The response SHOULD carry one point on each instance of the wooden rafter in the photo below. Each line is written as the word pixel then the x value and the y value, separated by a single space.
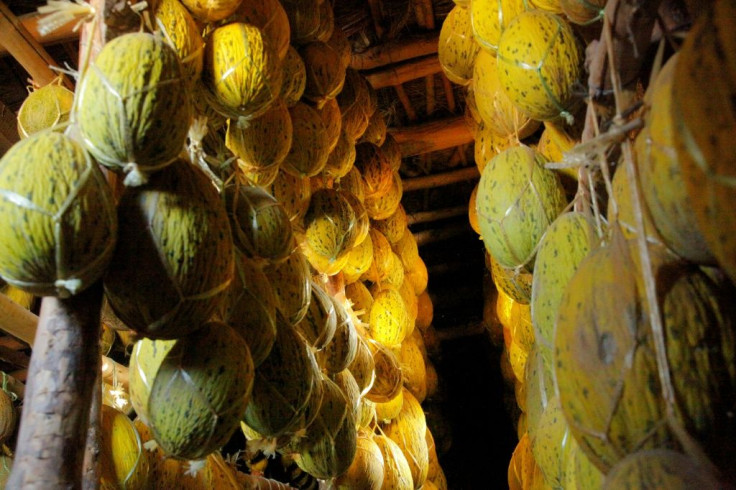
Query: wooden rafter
pixel 411 114
pixel 396 51
pixel 432 136
pixel 449 93
pixel 410 70
pixel 377 16
pixel 436 214
pixel 63 33
pixel 19 42
pixel 440 234
pixel 444 178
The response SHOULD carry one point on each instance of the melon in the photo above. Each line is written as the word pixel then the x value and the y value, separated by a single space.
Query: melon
pixel 489 18
pixel 290 281
pixel 270 17
pixel 295 78
pixel 310 145
pixel 132 106
pixel 488 144
pixel 408 432
pixel 388 381
pixel 325 72
pixel 349 387
pixel 414 368
pixel 354 101
pixel 660 468
pixel 58 234
pixel 418 275
pixel 193 398
pixel 341 158
pixel 366 472
pixel 304 20
pixel 257 176
pixel 330 224
pixel 326 23
pixel 407 249
pixel 293 193
pixel 360 298
pixel 388 317
pixel 472 211
pixel 211 10
pixel 392 151
pixel 539 64
pixel 363 367
pixel 583 12
pixel 343 348
pixel 340 43
pixel 362 221
pixel 389 410
pixel 176 229
pixel 265 141
pixel 182 31
pixel 319 324
pixel 359 260
pixel 517 200
pixel 516 283
pixel 425 311
pixel 353 183
pixel 393 227
pixel 382 207
pixel 376 131
pixel 395 276
pixel 45 108
pixel 457 49
pixel 124 462
pixel 374 168
pixel 330 113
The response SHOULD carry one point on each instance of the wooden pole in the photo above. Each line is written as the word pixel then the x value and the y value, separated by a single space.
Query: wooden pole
pixel 53 426
pixel 91 466
pixel 26 50
pixel 436 215
pixel 396 51
pixel 440 234
pixel 432 136
pixel 375 8
pixel 406 103
pixel 63 33
pixel 461 331
pixel 444 178
pixel 410 70
pixel 449 93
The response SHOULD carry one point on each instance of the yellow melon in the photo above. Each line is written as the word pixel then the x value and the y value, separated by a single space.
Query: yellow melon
pixel 457 49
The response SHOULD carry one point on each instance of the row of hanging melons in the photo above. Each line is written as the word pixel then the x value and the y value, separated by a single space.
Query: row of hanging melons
pixel 606 399
pixel 249 152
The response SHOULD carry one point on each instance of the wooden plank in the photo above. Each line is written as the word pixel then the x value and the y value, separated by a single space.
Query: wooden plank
pixel 435 215
pixel 26 50
pixel 444 178
pixel 449 93
pixel 432 136
pixel 63 33
pixel 14 357
pixel 411 70
pixel 441 234
pixel 404 98
pixel 8 128
pixel 12 343
pixel 396 51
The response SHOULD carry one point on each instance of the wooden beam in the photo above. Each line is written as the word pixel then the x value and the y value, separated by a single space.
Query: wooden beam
pixel 396 51
pixel 435 215
pixel 461 331
pixel 398 74
pixel 8 128
pixel 15 357
pixel 441 234
pixel 449 93
pixel 375 7
pixel 404 98
pixel 26 50
pixel 429 88
pixel 61 34
pixel 432 136
pixel 445 178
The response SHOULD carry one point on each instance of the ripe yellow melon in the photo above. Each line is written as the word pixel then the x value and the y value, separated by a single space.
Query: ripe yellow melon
pixel 295 78
pixel 382 207
pixel 325 72
pixel 408 431
pixel 388 317
pixel 47 107
pixel 270 17
pixel 366 472
pixel 265 141
pixel 293 193
pixel 457 49
pixel 181 29
pixel 490 18
pixel 211 10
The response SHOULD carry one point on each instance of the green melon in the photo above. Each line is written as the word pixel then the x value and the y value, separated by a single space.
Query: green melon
pixel 183 32
pixel 58 233
pixel 250 307
pixel 330 224
pixel 516 283
pixel 343 347
pixel 290 281
pixel 133 110
pixel 517 200
pixel 265 141
pixel 293 193
pixel 260 225
pixel 194 390
pixel 174 228
pixel 319 324
pixel 310 145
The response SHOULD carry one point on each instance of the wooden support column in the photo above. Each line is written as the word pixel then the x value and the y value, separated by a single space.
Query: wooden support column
pixel 411 70
pixel 445 178
pixel 396 51
pixel 432 136
pixel 25 49
pixel 53 426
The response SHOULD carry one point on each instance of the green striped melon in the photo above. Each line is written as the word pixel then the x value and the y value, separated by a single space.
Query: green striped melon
pixel 46 108
pixel 293 193
pixel 342 157
pixel 349 387
pixel 310 145
pixel 290 281
pixel 382 259
pixel 270 17
pixel 325 73
pixel 58 233
pixel 258 176
pixel 265 141
pixel 250 307
pixel 132 106
pixel 457 49
pixel 295 78
pixel 180 28
pixel 343 347
pixel 319 324
pixel 194 390
pixel 517 200
pixel 175 228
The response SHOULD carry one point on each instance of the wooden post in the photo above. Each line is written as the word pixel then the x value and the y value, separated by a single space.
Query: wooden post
pixel 395 52
pixel 444 178
pixel 410 70
pixel 375 8
pixel 91 465
pixel 23 47
pixel 53 426
pixel 432 136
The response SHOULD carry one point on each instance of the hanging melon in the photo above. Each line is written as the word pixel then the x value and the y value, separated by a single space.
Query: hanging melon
pixel 388 317
pixel 354 101
pixel 523 471
pixel 367 420
pixel 304 20
pixel 580 473
pixel 295 78
pixel 250 308
pixel 182 31
pixel 290 281
pixel 359 260
pixel 498 112
pixel 382 207
pixel 516 283
pixel 435 473
pixel 583 12
pixel 353 183
pixel 413 368
pixel 517 200
pixel 192 397
pixel 363 368
pixel 394 226
pixel 490 18
pixel 283 384
pixel 488 144
pixel 343 348
pixel 270 17
pixel 396 273
pixel 425 311
pixel 361 299
pixel 374 168
pixel 265 141
pixel 293 193
pixel 133 110
pixel 319 324
pixel 563 247
pixel 554 142
pixel 362 221
pixel 330 113
pixel 349 387
pixel 408 432
pixel 261 177
pixel 124 462
pixel 321 264
pixel 392 152
pixel 326 22
pixel 705 126
pixel 621 209
pixel 45 108
pixel 388 381
pixel 330 224
pixel 366 472
pixel 340 43
pixel 552 443
pixel 175 229
pixel 389 410
pixel 242 71
pixel 310 145
pixel 325 73
pixel 539 63
pixel 418 276
pixel 376 131
pixel 331 441
pixel 211 10
pixel 342 157
pixel 660 468
pixel 379 268
pixel 551 6
pixel 407 249
pixel 624 406
pixel 472 211
pixel 57 234
pixel 457 49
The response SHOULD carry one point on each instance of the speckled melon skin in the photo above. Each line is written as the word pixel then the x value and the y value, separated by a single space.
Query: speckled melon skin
pixel 283 384
pixel 133 110
pixel 539 62
pixel 290 281
pixel 211 10
pixel 583 11
pixel 517 284
pixel 489 18
pixel 705 125
pixel 457 49
pixel 354 101
pixel 250 307
pixel 353 183
pixel 349 387
pixel 325 72
pixel 304 20
pixel 376 131
pixel 384 206
pixel 57 234
pixel 319 324
pixel 184 33
pixel 265 141
pixel 342 157
pixel 363 368
pixel 193 397
pixel 517 200
pixel 270 17
pixel 343 347
pixel 293 193
pixel 604 351
pixel 374 168
pixel 397 473
pixel 295 78
pixel 394 226
pixel 659 468
pixel 45 108
pixel 310 146
pixel 330 114
pixel 360 298
pixel 175 228
pixel 408 431
pixel 330 224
